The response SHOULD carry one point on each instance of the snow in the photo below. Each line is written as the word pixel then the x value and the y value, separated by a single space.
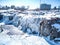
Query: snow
pixel 3 10
pixel 2 23
pixel 57 26
pixel 12 30
pixel 14 35
pixel 21 40
pixel 17 37
pixel 57 38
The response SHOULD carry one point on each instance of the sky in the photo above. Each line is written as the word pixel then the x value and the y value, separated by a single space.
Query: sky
pixel 31 3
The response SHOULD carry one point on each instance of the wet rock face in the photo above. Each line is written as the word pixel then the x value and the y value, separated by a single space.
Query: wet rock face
pixel 58 36
pixel 53 34
pixel 1 29
pixel 46 28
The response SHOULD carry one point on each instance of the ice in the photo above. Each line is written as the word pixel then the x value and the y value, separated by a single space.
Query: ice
pixel 22 25
pixel 17 37
pixel 12 30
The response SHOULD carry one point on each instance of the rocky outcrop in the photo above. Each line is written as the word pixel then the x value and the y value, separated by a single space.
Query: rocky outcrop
pixel 46 28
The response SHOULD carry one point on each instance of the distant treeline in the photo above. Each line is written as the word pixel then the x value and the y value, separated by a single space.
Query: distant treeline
pixel 22 8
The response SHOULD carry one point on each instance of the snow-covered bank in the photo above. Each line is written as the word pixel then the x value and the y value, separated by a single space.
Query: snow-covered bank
pixel 22 40
pixel 17 37
pixel 13 36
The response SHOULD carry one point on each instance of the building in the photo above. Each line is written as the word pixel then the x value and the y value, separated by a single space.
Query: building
pixel 45 6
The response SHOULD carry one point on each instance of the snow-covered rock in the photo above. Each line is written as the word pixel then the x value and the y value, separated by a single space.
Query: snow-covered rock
pixel 12 30
pixel 57 26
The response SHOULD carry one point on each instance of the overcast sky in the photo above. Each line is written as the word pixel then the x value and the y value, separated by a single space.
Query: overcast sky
pixel 31 3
